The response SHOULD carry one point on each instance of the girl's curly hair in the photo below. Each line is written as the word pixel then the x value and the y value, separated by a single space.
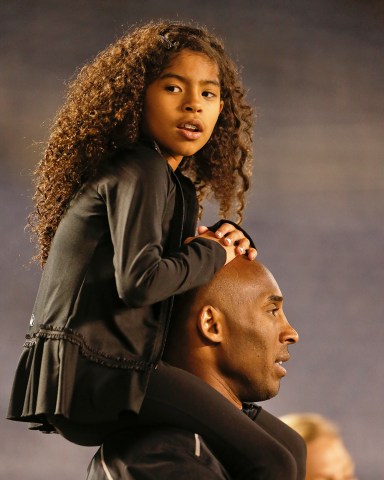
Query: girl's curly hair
pixel 103 112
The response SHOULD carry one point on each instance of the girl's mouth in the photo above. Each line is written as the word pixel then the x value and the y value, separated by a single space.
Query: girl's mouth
pixel 190 131
pixel 190 126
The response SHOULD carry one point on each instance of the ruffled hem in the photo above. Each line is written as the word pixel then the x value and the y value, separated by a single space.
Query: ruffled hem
pixel 49 332
pixel 60 376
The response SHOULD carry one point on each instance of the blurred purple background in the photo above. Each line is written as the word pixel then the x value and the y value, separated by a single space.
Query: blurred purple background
pixel 315 73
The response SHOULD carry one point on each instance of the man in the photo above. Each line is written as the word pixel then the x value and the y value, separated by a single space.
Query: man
pixel 233 335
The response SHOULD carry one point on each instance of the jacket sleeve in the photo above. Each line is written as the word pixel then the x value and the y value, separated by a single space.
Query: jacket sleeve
pixel 136 198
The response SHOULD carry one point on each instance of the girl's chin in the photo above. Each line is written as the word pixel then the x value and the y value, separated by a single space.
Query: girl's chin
pixel 178 157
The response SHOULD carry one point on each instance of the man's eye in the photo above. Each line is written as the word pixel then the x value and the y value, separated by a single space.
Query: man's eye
pixel 173 88
pixel 274 311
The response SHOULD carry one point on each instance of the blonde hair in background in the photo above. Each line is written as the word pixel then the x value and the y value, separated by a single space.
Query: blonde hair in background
pixel 311 425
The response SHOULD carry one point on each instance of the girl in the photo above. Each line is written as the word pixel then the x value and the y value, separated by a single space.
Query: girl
pixel 113 208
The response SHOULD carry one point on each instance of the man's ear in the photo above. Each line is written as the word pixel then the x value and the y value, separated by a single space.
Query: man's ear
pixel 210 324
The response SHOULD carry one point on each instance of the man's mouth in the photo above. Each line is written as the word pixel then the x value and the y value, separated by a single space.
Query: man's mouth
pixel 284 357
pixel 280 369
pixel 279 363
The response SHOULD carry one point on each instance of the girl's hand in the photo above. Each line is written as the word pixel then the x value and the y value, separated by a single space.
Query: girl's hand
pixel 230 250
pixel 231 236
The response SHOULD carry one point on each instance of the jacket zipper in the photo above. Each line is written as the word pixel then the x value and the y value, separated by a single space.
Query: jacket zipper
pixel 171 300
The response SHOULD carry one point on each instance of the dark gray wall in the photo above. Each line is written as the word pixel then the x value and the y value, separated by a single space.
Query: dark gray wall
pixel 314 70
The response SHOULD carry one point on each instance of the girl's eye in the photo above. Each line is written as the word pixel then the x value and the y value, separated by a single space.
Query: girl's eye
pixel 173 88
pixel 209 94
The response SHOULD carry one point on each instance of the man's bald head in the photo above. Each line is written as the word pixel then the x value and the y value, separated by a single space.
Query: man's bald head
pixel 234 284
pixel 232 332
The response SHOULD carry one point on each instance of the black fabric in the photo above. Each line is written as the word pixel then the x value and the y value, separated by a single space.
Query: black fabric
pixel 105 297
pixel 250 445
pixel 155 454
pixel 248 449
pixel 282 433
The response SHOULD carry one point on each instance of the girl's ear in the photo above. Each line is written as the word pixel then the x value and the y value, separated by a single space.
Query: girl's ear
pixel 221 105
pixel 210 324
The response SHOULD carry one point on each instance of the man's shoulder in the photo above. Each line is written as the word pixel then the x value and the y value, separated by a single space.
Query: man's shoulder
pixel 156 454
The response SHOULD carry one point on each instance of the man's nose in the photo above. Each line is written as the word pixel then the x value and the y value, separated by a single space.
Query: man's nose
pixel 293 336
pixel 289 334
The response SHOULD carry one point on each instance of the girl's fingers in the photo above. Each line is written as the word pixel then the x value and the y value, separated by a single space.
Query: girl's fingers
pixel 237 238
pixel 252 253
pixel 202 229
pixel 224 229
pixel 231 250
pixel 232 236
pixel 229 236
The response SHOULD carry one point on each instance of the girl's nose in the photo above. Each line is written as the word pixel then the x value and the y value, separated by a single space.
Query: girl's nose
pixel 192 104
pixel 192 108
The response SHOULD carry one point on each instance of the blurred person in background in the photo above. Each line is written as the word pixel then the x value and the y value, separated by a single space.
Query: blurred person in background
pixel 327 456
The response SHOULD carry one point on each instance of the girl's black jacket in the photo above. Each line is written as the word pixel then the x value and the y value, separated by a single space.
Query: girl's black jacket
pixel 102 311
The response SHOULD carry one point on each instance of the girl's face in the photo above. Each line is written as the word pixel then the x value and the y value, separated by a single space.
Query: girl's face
pixel 181 107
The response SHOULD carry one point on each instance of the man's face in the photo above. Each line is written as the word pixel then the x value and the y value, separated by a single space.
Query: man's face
pixel 256 339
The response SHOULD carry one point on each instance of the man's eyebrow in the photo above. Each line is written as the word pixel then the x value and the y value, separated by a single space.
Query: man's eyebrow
pixel 185 80
pixel 275 298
